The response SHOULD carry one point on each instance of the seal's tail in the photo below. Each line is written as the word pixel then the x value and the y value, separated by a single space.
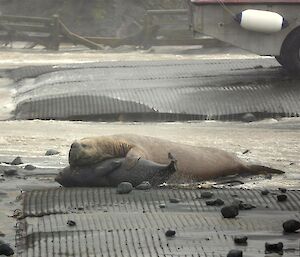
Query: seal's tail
pixel 259 169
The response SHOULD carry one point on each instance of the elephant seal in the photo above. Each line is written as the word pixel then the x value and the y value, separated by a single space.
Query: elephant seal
pixel 193 163
pixel 112 172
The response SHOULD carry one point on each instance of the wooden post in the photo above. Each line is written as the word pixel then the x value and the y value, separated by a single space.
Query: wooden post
pixel 54 33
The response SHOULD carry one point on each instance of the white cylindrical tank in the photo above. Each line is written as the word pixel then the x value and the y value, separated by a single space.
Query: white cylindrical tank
pixel 261 21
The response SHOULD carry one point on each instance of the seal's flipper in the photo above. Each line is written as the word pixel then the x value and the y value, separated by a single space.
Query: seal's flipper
pixel 103 170
pixel 259 169
pixel 172 167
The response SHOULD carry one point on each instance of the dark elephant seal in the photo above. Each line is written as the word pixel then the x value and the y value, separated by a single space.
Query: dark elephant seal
pixel 195 163
pixel 112 172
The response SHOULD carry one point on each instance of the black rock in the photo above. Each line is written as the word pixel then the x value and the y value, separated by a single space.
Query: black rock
pixel 282 189
pixel 235 253
pixel 145 185
pixel 206 195
pixel 29 167
pixel 265 192
pixel 5 249
pixel 230 211
pixel 174 200
pixel 216 202
pixel 162 206
pixel 246 151
pixel 17 161
pixel 291 226
pixel 170 233
pixel 274 248
pixel 51 152
pixel 240 239
pixel 71 223
pixel 281 198
pixel 124 188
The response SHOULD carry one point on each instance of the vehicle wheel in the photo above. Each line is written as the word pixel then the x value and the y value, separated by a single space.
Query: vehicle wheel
pixel 279 59
pixel 290 52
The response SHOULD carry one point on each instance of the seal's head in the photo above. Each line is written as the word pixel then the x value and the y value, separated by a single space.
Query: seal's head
pixel 92 150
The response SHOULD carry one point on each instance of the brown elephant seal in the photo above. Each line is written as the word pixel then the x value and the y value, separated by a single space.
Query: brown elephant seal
pixel 195 163
pixel 112 172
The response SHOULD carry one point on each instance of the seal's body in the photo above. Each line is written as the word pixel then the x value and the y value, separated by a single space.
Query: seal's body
pixel 193 163
pixel 112 172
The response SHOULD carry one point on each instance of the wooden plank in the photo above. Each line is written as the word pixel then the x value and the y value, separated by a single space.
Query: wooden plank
pixel 24 27
pixel 12 18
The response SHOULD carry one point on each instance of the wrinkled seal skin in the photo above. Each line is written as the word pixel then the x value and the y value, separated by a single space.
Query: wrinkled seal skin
pixel 193 163
pixel 112 172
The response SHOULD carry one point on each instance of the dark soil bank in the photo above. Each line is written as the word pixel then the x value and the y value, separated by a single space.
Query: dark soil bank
pixel 92 17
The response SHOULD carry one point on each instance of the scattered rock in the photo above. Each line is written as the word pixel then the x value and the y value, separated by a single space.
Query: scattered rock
pixel 5 249
pixel 71 223
pixel 145 185
pixel 124 188
pixel 170 233
pixel 281 198
pixel 10 172
pixel 216 202
pixel 162 206
pixel 230 211
pixel 51 152
pixel 240 239
pixel 17 161
pixel 29 167
pixel 246 151
pixel 265 192
pixel 174 200
pixel 274 248
pixel 206 195
pixel 282 189
pixel 248 117
pixel 291 226
pixel 246 206
pixel 235 253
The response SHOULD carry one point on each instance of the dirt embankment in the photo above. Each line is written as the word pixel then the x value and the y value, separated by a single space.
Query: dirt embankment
pixel 92 17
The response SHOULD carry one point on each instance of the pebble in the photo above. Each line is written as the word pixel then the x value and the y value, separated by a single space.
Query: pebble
pixel 5 249
pixel 145 185
pixel 235 253
pixel 51 152
pixel 29 167
pixel 240 239
pixel 71 223
pixel 230 211
pixel 281 198
pixel 162 206
pixel 216 202
pixel 10 172
pixel 282 189
pixel 17 161
pixel 124 188
pixel 206 195
pixel 170 233
pixel 265 192
pixel 291 226
pixel 274 248
pixel 174 200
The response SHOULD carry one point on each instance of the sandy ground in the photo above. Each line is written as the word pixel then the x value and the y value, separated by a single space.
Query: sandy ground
pixel 270 142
